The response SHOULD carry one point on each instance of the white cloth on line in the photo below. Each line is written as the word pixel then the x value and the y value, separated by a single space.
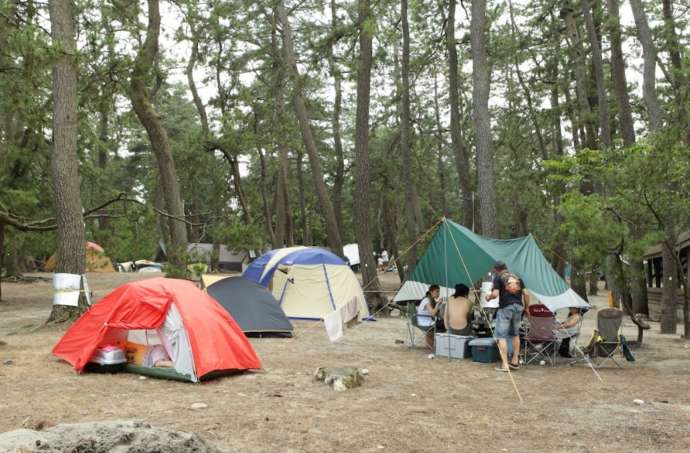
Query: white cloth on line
pixel 335 322
pixel 68 287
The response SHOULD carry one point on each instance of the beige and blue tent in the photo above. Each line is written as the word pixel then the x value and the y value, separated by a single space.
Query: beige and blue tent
pixel 308 282
pixel 457 255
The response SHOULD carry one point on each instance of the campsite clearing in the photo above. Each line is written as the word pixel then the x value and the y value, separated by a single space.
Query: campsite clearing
pixel 407 402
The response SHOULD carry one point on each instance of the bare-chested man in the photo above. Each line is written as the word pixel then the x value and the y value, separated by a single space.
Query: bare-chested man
pixel 457 314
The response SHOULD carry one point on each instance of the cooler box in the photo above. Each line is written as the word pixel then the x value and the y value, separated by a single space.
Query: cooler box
pixel 484 350
pixel 108 359
pixel 453 346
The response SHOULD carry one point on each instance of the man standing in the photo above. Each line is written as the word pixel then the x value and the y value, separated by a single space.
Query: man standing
pixel 512 299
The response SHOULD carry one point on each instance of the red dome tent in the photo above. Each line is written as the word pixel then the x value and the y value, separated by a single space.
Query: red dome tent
pixel 199 335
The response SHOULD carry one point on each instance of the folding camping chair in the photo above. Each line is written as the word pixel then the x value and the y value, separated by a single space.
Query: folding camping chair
pixel 608 341
pixel 540 341
pixel 413 323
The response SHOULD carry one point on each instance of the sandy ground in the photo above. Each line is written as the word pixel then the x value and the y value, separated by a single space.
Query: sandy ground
pixel 408 402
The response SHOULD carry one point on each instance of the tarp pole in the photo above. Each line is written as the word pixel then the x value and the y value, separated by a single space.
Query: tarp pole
pixel 445 252
pixel 469 279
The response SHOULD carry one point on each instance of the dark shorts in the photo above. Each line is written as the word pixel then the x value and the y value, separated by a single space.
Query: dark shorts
pixel 508 320
pixel 464 332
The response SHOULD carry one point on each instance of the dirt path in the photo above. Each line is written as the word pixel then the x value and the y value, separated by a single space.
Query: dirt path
pixel 408 402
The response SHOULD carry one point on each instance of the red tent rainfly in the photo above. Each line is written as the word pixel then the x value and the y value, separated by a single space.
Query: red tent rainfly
pixel 199 335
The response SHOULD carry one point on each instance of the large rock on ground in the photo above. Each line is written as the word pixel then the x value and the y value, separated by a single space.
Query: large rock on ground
pixel 105 437
pixel 341 379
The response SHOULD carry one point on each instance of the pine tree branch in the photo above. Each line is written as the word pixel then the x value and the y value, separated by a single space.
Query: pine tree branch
pixel 49 224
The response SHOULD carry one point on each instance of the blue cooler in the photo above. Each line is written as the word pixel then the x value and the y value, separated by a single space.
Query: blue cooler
pixel 484 350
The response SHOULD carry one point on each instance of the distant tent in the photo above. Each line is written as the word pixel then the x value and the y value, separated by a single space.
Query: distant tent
pixel 457 255
pixel 228 260
pixel 251 305
pixel 199 336
pixel 96 260
pixel 309 282
pixel 209 279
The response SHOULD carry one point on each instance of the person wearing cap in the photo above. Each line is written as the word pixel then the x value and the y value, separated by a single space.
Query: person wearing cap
pixel 456 316
pixel 513 297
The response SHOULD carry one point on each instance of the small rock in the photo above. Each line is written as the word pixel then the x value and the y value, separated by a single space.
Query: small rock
pixel 430 356
pixel 638 402
pixel 380 447
pixel 241 394
pixel 142 378
pixel 8 362
pixel 364 371
pixel 197 406
pixel 413 395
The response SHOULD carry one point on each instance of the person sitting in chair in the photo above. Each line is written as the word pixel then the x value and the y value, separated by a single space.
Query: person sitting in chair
pixel 457 313
pixel 568 329
pixel 427 311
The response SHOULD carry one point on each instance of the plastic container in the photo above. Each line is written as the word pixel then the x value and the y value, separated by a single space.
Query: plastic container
pixel 484 350
pixel 455 347
pixel 107 359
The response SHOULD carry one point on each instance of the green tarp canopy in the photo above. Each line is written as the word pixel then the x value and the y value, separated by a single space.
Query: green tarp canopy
pixel 457 255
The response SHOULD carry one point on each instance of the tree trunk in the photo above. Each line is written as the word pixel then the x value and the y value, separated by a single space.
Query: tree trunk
pixel 237 182
pixel 556 114
pixel 638 287
pixel 440 167
pixel 279 131
pixel 462 157
pixel 579 282
pixel 298 103
pixel 200 108
pixel 593 282
pixel 598 63
pixel 679 77
pixel 65 161
pixel 264 199
pixel 644 34
pixel 390 231
pixel 160 144
pixel 482 123
pixel 669 320
pixel 209 142
pixel 618 74
pixel 306 232
pixel 2 254
pixel 578 62
pixel 526 90
pixel 361 201
pixel 339 178
pixel 570 113
pixel 411 200
pixel 162 222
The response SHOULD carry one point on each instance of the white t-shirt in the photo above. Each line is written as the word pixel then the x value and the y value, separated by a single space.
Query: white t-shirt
pixel 424 317
pixel 384 255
